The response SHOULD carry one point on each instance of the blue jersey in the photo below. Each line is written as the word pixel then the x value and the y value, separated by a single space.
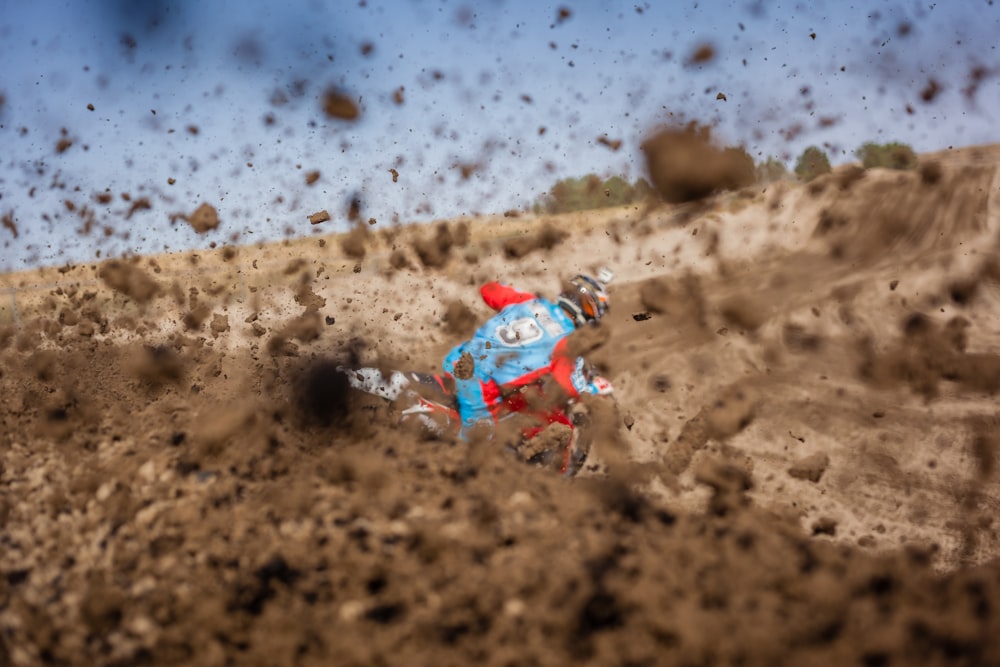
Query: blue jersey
pixel 516 343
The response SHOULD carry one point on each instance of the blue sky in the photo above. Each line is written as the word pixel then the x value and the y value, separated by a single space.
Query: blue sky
pixel 223 98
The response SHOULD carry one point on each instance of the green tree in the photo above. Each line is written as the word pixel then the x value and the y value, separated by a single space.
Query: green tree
pixel 893 155
pixel 618 191
pixel 771 170
pixel 590 192
pixel 812 163
pixel 641 190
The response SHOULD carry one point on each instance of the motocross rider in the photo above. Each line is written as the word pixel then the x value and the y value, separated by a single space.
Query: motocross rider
pixel 524 343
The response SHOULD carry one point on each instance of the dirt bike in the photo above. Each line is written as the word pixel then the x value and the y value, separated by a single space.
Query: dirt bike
pixel 548 434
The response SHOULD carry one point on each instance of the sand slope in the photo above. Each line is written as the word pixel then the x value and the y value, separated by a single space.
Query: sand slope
pixel 799 468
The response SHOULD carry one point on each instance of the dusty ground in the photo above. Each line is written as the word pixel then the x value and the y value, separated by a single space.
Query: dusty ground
pixel 800 468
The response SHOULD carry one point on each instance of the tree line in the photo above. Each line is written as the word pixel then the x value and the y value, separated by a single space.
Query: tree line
pixel 593 191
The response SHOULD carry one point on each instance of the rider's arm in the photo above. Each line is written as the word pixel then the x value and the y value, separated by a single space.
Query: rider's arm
pixel 572 376
pixel 565 371
pixel 498 296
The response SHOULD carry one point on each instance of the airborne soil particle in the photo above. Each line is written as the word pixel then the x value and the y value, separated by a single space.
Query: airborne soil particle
pixel 204 219
pixel 318 217
pixel 130 280
pixel 338 105
pixel 684 166
pixel 810 468
pixel 547 238
pixel 459 319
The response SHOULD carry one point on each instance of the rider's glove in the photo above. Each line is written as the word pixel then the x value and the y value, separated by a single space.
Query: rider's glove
pixel 599 386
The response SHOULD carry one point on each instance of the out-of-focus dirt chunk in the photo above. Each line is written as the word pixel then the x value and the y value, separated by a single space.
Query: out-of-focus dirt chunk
pixel 679 303
pixel 825 526
pixel 398 260
pixel 586 339
pixel 849 175
pixel 307 298
pixel 683 165
pixel 811 468
pixel 613 144
pixel 7 333
pixel 156 365
pixel 704 53
pixel 8 223
pixel 305 328
pixel 204 219
pixel 319 216
pixel 459 319
pixel 930 172
pixel 216 427
pixel 546 238
pixel 731 412
pixel 744 311
pixel 338 105
pixel 195 318
pixel 435 252
pixel 729 484
pixel 219 325
pixel 130 280
pixel 798 339
pixel 354 244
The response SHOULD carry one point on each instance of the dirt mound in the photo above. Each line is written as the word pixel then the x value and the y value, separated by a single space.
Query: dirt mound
pixel 901 212
pixel 799 466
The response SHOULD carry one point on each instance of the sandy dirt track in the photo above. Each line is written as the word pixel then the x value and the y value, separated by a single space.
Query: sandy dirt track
pixel 800 468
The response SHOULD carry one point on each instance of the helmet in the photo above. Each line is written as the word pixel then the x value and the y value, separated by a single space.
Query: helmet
pixel 584 299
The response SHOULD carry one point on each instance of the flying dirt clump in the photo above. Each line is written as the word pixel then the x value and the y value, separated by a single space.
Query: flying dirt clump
pixel 337 104
pixel 306 297
pixel 219 325
pixel 319 216
pixel 7 221
pixel 434 252
pixel 215 428
pixel 733 410
pixel 548 237
pixel 305 328
pixel 323 393
pixel 679 303
pixel 156 365
pixel 684 166
pixel 194 318
pixel 927 354
pixel 744 311
pixel 398 260
pixel 811 468
pixel 729 484
pixel 459 319
pixel 587 339
pixel 354 244
pixel 204 219
pixel 130 280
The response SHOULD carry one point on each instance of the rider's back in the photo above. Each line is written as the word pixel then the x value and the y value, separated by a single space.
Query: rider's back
pixel 517 342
